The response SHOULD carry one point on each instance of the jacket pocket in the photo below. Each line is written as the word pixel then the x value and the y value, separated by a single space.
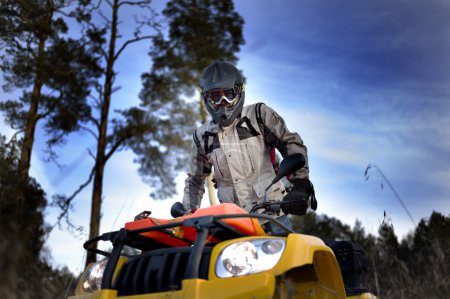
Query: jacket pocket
pixel 225 194
pixel 259 187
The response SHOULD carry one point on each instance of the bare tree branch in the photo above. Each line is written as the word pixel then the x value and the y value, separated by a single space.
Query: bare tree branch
pixel 52 156
pixel 95 122
pixel 65 203
pixel 43 115
pixel 97 101
pixel 14 136
pixel 108 21
pixel 93 98
pixel 114 148
pixel 139 3
pixel 128 42
pixel 98 5
pixel 60 11
pixel 89 131
pixel 109 3
pixel 104 54
pixel 93 7
pixel 91 154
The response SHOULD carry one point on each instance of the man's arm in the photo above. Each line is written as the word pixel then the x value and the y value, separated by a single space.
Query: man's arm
pixel 200 168
pixel 277 135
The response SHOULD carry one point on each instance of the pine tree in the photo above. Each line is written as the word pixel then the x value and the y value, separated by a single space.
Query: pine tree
pixel 159 130
pixel 104 38
pixel 53 72
pixel 27 272
pixel 199 32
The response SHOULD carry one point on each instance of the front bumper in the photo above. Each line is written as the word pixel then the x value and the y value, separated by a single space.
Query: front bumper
pixel 307 269
pixel 261 285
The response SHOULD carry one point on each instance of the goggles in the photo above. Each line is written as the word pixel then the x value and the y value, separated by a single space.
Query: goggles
pixel 217 96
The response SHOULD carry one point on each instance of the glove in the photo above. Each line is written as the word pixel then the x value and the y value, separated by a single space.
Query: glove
pixel 296 201
pixel 177 210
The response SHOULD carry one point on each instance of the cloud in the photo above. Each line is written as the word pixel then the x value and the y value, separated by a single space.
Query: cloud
pixel 361 81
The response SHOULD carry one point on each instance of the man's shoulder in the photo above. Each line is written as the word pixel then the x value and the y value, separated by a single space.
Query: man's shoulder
pixel 259 108
pixel 252 107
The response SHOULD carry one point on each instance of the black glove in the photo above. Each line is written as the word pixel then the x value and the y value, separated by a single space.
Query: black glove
pixel 177 210
pixel 296 201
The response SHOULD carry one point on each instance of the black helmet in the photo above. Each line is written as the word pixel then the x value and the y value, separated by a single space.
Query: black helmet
pixel 222 89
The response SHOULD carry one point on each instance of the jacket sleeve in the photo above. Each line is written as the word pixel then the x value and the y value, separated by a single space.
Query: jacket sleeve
pixel 277 135
pixel 200 168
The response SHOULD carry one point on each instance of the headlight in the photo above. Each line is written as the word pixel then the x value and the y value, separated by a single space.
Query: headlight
pixel 92 280
pixel 249 257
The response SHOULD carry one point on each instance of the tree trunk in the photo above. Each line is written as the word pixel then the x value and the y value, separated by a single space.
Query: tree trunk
pixel 94 229
pixel 30 128
pixel 27 146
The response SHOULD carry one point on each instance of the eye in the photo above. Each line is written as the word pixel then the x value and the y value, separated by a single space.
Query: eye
pixel 229 93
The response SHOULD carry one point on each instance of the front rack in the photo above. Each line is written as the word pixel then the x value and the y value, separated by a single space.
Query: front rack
pixel 205 227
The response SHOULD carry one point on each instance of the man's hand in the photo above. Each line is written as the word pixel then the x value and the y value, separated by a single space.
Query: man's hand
pixel 177 210
pixel 296 202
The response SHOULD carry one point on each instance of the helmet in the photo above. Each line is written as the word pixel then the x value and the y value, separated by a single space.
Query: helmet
pixel 222 89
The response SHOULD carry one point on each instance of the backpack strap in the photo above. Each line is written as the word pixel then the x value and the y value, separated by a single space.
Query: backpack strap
pixel 272 154
pixel 259 118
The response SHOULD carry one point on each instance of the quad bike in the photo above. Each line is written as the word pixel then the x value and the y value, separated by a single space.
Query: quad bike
pixel 221 252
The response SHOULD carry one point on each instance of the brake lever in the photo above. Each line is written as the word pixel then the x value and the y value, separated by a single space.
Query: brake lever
pixel 273 207
pixel 270 207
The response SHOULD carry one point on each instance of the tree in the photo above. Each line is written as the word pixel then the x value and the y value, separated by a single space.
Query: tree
pixel 322 226
pixel 26 268
pixel 157 130
pixel 53 72
pixel 199 32
pixel 108 140
pixel 427 252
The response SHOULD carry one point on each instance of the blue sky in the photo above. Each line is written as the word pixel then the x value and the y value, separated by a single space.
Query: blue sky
pixel 361 81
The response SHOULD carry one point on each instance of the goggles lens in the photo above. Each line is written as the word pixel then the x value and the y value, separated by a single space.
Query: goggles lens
pixel 217 96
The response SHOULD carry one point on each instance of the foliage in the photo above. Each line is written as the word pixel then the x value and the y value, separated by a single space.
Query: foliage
pixel 416 267
pixel 38 54
pixel 199 32
pixel 161 149
pixel 26 269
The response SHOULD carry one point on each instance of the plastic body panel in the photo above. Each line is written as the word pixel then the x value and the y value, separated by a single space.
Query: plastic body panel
pixel 247 226
pixel 307 269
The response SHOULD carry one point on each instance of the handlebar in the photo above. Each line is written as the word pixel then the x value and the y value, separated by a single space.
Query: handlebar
pixel 270 207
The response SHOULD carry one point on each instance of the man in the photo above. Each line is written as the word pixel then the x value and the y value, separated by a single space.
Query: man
pixel 237 143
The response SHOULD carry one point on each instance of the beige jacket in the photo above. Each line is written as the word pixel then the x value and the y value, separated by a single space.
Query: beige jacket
pixel 239 157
